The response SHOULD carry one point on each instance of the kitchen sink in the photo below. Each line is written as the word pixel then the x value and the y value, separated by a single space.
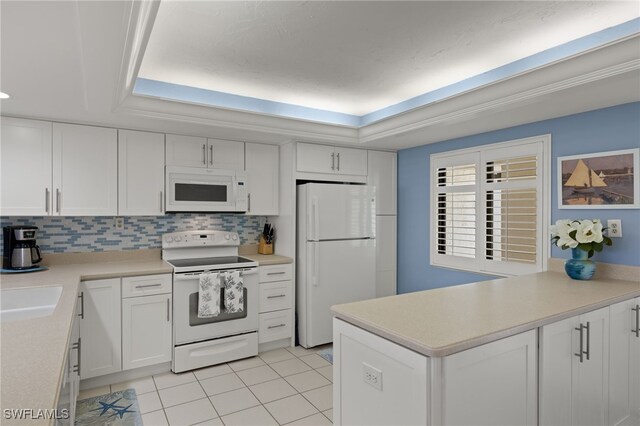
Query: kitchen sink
pixel 27 303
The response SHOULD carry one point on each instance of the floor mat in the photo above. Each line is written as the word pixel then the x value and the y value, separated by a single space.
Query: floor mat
pixel 116 408
pixel 327 354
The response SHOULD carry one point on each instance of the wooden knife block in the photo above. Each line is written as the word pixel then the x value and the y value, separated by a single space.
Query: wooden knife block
pixel 263 247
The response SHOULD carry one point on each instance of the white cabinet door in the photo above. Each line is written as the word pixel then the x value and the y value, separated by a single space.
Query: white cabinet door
pixel 85 170
pixel 492 384
pixel 315 158
pixel 400 396
pixel 574 390
pixel 223 154
pixel 382 173
pixel 146 331
pixel 635 361
pixel 624 363
pixel 262 167
pixel 100 327
pixel 351 161
pixel 385 256
pixel 187 151
pixel 140 173
pixel 25 153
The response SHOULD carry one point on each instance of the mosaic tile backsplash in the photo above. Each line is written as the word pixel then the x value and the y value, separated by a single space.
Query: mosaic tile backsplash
pixel 92 234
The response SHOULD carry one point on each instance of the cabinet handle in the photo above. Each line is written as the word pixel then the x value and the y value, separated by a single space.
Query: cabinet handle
pixel 161 202
pixel 588 339
pixel 338 156
pixel 248 202
pixel 580 353
pixel 78 346
pixel 81 315
pixel 149 285
pixel 211 156
pixel 46 200
pixel 276 296
pixel 276 326
pixel 168 308
pixel 57 200
pixel 637 311
pixel 276 273
pixel 204 154
pixel 333 161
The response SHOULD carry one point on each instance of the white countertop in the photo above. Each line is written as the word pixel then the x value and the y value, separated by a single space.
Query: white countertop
pixel 447 320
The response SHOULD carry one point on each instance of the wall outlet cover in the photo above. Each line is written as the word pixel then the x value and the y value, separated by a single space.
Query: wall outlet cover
pixel 372 376
pixel 614 228
pixel 118 222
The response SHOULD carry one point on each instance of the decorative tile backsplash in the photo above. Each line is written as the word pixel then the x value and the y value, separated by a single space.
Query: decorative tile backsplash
pixel 91 234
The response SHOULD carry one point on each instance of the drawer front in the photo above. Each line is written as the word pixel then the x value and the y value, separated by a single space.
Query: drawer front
pixel 146 285
pixel 276 273
pixel 275 326
pixel 275 296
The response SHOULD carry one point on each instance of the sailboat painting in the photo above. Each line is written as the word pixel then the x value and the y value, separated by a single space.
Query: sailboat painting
pixel 599 181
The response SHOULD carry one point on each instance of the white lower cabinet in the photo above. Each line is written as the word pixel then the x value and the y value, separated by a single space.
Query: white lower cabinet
pixel 624 363
pixel 377 382
pixel 100 327
pixel 276 304
pixel 574 366
pixel 146 331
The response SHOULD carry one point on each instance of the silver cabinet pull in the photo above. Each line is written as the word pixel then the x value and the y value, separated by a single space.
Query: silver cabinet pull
pixel 46 200
pixel 276 296
pixel 249 202
pixel 580 353
pixel 81 297
pixel 338 155
pixel 276 326
pixel 211 155
pixel 587 327
pixel 161 202
pixel 76 346
pixel 149 285
pixel 168 302
pixel 333 161
pixel 57 200
pixel 276 273
pixel 637 311
pixel 204 154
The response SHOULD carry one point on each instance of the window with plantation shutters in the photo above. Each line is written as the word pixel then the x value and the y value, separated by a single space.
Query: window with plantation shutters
pixel 488 207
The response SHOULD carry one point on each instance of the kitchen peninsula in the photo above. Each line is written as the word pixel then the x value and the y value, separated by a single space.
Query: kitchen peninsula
pixel 548 344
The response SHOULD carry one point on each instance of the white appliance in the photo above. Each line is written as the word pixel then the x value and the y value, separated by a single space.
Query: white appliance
pixel 194 189
pixel 202 342
pixel 335 254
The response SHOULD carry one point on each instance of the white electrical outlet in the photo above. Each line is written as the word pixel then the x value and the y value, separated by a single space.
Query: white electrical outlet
pixel 614 228
pixel 118 223
pixel 372 376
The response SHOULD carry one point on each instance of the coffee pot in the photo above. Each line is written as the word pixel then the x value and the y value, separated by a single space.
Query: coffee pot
pixel 20 248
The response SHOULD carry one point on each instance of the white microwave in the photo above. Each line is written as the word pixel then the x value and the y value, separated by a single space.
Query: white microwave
pixel 192 189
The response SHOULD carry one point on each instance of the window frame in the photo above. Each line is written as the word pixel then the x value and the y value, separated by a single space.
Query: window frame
pixel 478 264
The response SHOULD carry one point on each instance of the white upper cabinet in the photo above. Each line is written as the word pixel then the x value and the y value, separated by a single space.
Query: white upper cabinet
pixel 262 167
pixel 25 155
pixel 313 158
pixel 140 173
pixel 193 151
pixel 223 154
pixel 382 173
pixel 187 151
pixel 85 170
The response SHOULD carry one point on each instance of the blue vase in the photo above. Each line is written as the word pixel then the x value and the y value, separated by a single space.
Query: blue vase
pixel 580 267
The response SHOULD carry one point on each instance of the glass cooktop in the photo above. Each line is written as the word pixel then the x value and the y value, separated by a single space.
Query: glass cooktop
pixel 208 261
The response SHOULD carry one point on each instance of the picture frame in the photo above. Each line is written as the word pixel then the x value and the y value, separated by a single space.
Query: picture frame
pixel 602 180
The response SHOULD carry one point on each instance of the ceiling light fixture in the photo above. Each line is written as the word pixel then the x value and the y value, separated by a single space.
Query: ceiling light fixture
pixel 4 95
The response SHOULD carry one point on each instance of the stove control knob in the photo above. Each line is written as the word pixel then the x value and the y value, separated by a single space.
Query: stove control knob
pixel 169 238
pixel 227 236
pixel 178 238
pixel 234 237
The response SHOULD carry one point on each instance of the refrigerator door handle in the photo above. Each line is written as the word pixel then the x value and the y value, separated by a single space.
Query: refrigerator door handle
pixel 314 267
pixel 316 219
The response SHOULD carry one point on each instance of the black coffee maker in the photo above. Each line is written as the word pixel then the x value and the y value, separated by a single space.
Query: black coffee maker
pixel 20 249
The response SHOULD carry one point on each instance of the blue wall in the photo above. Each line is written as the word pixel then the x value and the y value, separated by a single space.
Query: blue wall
pixel 594 131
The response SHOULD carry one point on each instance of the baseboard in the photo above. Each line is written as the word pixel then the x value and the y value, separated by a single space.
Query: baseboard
pixel 123 376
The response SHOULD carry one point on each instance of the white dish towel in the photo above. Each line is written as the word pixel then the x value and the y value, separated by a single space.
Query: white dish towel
pixel 209 295
pixel 233 294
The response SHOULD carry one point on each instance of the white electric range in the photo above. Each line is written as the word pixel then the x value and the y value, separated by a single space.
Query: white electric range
pixel 200 342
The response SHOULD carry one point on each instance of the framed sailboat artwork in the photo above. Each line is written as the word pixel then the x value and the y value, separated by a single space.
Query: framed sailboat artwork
pixel 605 180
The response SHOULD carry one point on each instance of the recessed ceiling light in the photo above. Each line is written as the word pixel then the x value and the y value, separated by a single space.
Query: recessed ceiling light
pixel 4 95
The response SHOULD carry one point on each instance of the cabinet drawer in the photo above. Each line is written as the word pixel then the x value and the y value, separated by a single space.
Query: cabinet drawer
pixel 274 326
pixel 276 273
pixel 275 296
pixel 146 285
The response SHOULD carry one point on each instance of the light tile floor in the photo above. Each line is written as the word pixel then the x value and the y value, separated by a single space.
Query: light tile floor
pixel 291 386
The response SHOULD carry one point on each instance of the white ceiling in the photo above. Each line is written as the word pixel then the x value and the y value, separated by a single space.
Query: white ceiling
pixel 357 57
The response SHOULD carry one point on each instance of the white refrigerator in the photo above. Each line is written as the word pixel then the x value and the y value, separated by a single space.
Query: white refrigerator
pixel 336 254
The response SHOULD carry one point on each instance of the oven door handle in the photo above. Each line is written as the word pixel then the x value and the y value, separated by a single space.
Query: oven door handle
pixel 191 276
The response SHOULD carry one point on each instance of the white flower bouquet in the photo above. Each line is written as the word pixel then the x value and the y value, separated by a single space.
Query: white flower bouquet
pixel 583 234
